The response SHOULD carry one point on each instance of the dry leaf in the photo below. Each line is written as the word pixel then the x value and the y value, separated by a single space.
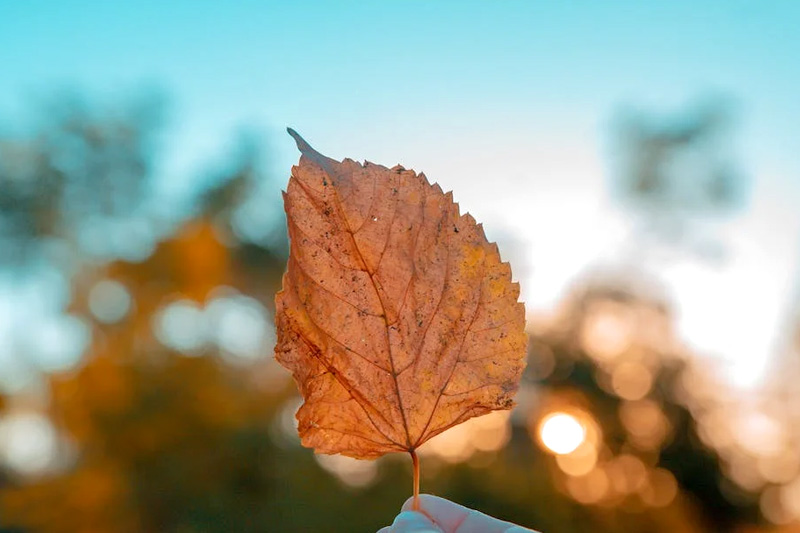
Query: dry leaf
pixel 397 318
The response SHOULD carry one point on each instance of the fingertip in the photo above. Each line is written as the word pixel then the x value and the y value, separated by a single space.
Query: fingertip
pixel 424 507
pixel 425 500
pixel 413 522
pixel 408 504
pixel 449 516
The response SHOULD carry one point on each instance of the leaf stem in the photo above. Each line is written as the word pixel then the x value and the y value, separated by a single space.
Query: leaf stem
pixel 415 463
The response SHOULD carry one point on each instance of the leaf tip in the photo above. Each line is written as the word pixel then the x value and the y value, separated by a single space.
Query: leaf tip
pixel 302 144
pixel 309 152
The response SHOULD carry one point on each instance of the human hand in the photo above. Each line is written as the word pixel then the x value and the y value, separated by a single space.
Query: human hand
pixel 437 515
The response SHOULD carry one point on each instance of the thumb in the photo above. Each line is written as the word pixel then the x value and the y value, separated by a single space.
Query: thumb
pixel 413 522
pixel 453 517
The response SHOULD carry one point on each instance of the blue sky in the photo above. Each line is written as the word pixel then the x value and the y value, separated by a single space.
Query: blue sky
pixel 507 103
pixel 359 75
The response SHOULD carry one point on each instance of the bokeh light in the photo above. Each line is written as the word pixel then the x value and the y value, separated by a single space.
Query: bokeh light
pixel 109 301
pixel 28 443
pixel 579 461
pixel 561 433
pixel 241 326
pixel 607 330
pixel 645 423
pixel 181 325
pixel 590 488
pixel 631 380
pixel 487 433
pixel 661 488
pixel 351 472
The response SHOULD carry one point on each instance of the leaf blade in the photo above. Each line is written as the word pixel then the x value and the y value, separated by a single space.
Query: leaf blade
pixel 396 297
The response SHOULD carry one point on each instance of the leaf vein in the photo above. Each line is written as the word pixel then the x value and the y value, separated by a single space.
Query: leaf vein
pixel 343 345
pixel 340 208
pixel 360 400
pixel 455 364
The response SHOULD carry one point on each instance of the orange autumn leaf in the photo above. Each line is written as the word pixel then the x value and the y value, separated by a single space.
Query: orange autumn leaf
pixel 397 317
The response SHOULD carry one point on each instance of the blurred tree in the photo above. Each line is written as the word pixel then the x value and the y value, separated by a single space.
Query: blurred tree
pixel 175 438
pixel 679 163
pixel 168 423
pixel 142 420
pixel 678 175
pixel 616 350
pixel 3 474
pixel 675 173
pixel 80 178
pixel 177 418
pixel 613 363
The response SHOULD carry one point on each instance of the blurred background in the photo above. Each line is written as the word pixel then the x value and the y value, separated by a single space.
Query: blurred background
pixel 636 162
